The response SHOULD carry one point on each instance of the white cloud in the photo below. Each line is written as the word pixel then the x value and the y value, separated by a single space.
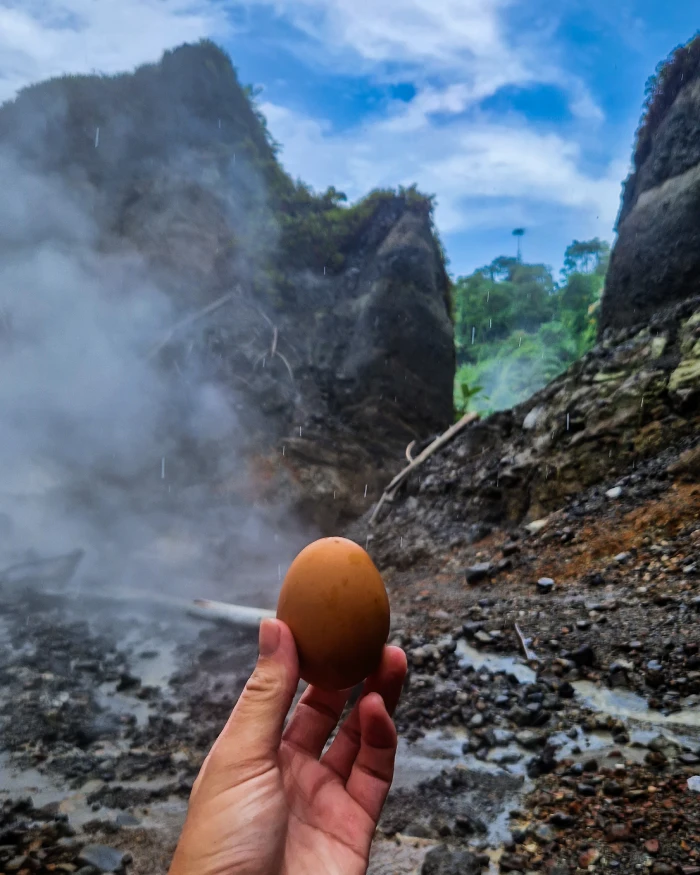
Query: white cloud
pixel 465 44
pixel 462 163
pixel 44 38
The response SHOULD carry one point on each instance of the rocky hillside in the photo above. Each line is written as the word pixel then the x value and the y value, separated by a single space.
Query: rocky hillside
pixel 325 322
pixel 634 396
pixel 656 260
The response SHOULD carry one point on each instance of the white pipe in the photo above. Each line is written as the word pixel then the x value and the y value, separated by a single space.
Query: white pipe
pixel 236 615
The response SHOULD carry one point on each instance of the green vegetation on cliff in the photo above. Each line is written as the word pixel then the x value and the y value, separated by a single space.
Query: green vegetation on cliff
pixel 188 114
pixel 516 328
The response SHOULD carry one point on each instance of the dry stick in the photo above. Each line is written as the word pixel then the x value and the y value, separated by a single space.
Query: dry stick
pixel 444 438
pixel 274 351
pixel 529 655
pixel 409 457
pixel 188 320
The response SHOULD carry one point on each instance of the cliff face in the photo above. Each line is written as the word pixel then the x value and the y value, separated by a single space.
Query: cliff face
pixel 328 325
pixel 656 260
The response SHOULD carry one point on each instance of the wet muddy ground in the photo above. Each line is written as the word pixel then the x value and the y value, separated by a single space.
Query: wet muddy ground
pixel 576 759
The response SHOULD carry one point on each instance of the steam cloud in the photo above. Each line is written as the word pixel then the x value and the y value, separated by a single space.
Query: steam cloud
pixel 91 429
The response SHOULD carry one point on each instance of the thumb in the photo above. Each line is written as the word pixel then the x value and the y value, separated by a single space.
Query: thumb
pixel 254 729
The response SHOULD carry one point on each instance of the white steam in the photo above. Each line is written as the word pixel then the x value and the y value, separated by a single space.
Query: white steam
pixel 87 418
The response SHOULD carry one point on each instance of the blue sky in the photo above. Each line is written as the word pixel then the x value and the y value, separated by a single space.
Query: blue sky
pixel 513 112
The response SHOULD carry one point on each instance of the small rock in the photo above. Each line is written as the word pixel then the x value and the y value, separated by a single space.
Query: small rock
pixel 584 656
pixel 588 858
pixel 513 863
pixel 694 784
pixel 621 558
pixel 510 548
pixel 562 820
pixel 615 492
pixel 418 656
pixel 689 759
pixel 652 846
pixel 477 573
pixel 418 830
pixel 536 526
pixel 545 834
pixel 663 869
pixel 618 832
pixel 104 858
pixel 444 861
pixel 127 682
pixel 586 790
pixel 528 739
pixel 482 637
pixel 545 585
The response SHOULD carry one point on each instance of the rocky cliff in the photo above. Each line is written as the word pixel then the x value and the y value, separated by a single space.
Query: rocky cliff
pixel 633 398
pixel 328 324
pixel 656 260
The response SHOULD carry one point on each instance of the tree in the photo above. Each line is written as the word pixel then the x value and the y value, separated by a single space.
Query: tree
pixel 518 233
pixel 586 256
pixel 516 328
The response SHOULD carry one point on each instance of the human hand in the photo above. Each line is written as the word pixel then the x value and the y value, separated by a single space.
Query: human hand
pixel 267 802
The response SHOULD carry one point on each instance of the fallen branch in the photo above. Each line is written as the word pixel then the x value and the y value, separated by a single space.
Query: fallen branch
pixel 409 457
pixel 530 655
pixel 188 320
pixel 439 442
pixel 273 349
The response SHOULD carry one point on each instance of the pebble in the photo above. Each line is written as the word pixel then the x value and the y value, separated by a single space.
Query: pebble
pixel 694 784
pixel 545 585
pixel 444 861
pixel 513 863
pixel 584 656
pixel 482 637
pixel 562 819
pixel 618 832
pixel 104 858
pixel 615 492
pixel 477 573
pixel 545 834
pixel 502 737
pixel 689 759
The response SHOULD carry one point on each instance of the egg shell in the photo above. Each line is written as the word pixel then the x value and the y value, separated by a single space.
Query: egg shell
pixel 334 601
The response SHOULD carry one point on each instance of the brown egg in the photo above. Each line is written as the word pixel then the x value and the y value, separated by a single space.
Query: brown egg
pixel 334 601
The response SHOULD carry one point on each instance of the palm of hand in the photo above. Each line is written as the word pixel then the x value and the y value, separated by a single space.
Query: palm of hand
pixel 287 809
pixel 328 830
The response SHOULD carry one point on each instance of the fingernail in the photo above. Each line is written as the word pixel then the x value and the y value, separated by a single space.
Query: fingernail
pixel 269 639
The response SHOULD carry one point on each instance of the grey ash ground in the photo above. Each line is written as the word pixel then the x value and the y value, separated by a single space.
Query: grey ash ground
pixel 575 761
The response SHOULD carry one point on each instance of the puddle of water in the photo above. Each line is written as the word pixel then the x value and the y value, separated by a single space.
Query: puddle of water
pixel 107 698
pixel 442 749
pixel 493 663
pixel 629 706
